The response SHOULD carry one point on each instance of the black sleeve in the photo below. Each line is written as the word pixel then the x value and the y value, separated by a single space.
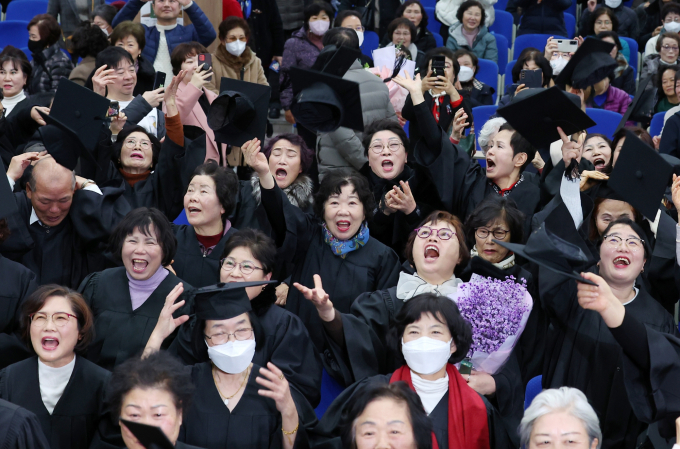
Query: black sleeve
pixel 669 139
pixel 430 132
pixel 273 206
pixel 632 337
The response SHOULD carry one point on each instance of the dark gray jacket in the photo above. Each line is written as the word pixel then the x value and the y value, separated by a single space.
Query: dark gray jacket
pixel 140 108
pixel 68 13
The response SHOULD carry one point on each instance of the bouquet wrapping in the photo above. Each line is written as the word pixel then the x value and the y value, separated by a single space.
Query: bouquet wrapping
pixel 498 312
pixel 397 93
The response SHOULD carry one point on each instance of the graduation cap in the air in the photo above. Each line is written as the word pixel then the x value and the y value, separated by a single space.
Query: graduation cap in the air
pixel 151 437
pixel 239 113
pixel 74 123
pixel 536 114
pixel 324 101
pixel 8 205
pixel 224 300
pixel 640 176
pixel 336 60
pixel 641 108
pixel 590 64
pixel 550 251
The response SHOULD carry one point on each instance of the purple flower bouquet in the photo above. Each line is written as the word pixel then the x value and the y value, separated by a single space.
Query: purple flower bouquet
pixel 498 312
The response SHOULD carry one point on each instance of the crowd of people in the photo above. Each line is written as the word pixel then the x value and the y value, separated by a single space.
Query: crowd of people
pixel 174 274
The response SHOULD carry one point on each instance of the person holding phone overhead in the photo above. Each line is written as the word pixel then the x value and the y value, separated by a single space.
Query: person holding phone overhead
pixel 530 60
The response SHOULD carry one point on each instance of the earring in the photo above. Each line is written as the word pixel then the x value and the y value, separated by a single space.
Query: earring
pixel 264 286
pixel 643 270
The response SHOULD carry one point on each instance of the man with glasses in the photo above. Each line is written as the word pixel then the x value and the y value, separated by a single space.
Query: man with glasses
pixel 670 23
pixel 162 39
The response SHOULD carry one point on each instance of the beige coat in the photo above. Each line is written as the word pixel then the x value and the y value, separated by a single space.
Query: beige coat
pixel 246 67
pixel 82 71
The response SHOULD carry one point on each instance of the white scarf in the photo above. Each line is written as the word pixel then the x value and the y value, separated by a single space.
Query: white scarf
pixel 430 391
pixel 411 285
pixel 503 264
pixel 10 102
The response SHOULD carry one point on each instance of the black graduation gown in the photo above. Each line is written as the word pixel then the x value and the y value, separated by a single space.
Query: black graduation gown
pixel 300 239
pixel 122 332
pixel 327 431
pixel 65 254
pixel 18 282
pixel 191 264
pixel 287 345
pixel 75 418
pixel 19 428
pixel 254 422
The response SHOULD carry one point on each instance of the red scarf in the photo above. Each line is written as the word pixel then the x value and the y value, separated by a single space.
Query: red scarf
pixel 468 425
pixel 438 101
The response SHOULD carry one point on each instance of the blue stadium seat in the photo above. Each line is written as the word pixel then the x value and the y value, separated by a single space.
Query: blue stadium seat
pixel 433 25
pixel 14 32
pixel 437 37
pixel 503 25
pixel 27 52
pixel 181 219
pixel 25 9
pixel 488 74
pixel 371 42
pixel 429 3
pixel 570 23
pixel 533 388
pixel 406 125
pixel 508 73
pixel 607 121
pixel 503 50
pixel 633 45
pixel 531 40
pixel 657 124
pixel 572 8
pixel 330 389
pixel 480 116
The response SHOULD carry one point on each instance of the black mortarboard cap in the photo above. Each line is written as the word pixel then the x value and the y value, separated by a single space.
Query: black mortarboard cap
pixel 8 205
pixel 336 61
pixel 239 113
pixel 602 190
pixel 74 123
pixel 550 251
pixel 324 102
pixel 640 176
pixel 151 437
pixel 591 63
pixel 224 300
pixel 537 114
pixel 641 108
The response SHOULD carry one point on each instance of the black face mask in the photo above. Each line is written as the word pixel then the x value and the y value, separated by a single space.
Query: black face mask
pixel 36 46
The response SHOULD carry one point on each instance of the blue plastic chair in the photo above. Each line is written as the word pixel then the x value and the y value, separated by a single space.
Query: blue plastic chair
pixel 371 42
pixel 657 124
pixel 503 49
pixel 500 5
pixel 437 37
pixel 406 126
pixel 531 40
pixel 488 74
pixel 572 8
pixel 508 73
pixel 330 389
pixel 481 115
pixel 14 32
pixel 27 52
pixel 633 45
pixel 25 9
pixel 533 388
pixel 503 25
pixel 606 121
pixel 429 3
pixel 181 219
pixel 570 23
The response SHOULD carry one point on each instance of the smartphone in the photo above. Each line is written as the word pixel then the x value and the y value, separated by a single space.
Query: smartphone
pixel 205 60
pixel 148 436
pixel 159 80
pixel 531 78
pixel 114 109
pixel 567 45
pixel 438 66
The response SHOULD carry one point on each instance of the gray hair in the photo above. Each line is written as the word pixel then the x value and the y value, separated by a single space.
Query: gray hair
pixel 563 399
pixel 489 129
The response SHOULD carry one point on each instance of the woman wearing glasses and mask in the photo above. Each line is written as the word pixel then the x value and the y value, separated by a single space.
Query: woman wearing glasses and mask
pixel 64 390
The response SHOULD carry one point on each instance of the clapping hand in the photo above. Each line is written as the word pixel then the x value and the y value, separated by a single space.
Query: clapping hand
pixel 407 82
pixel 170 95
pixel 401 199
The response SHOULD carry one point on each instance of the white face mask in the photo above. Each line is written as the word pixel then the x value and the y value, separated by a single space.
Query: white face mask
pixel 558 65
pixel 465 74
pixel 361 37
pixel 319 27
pixel 612 3
pixel 236 48
pixel 105 31
pixel 426 355
pixel 232 357
pixel 672 27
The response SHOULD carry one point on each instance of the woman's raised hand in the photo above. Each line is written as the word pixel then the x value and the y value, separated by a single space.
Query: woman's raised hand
pixel 409 83
pixel 401 199
pixel 201 77
pixel 258 162
pixel 589 177
pixel 570 149
pixel 101 79
pixel 601 299
pixel 167 324
pixel 117 123
pixel 459 124
pixel 675 191
pixel 170 94
pixel 319 298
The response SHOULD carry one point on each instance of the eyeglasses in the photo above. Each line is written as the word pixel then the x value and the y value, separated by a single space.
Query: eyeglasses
pixel 498 234
pixel 669 47
pixel 401 33
pixel 228 264
pixel 60 319
pixel 605 22
pixel 378 148
pixel 221 338
pixel 132 143
pixel 424 232
pixel 633 243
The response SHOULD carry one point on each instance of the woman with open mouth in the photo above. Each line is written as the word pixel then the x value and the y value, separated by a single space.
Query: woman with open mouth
pixel 597 148
pixel 58 384
pixel 126 301
pixel 335 243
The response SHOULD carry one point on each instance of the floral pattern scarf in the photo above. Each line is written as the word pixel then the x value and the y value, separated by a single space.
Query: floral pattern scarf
pixel 342 247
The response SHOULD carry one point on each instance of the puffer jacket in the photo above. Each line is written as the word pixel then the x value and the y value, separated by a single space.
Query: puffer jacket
pixel 546 17
pixel 49 66
pixel 292 13
pixel 343 147
pixel 628 22
pixel 650 67
pixel 484 45
pixel 298 51
pixel 617 101
pixel 200 30
pixel 246 67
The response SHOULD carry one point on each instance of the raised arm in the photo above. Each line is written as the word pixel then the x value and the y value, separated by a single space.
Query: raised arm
pixel 129 12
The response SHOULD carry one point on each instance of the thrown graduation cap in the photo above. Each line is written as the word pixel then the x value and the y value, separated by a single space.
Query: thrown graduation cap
pixel 8 205
pixel 640 176
pixel 590 64
pixel 239 113
pixel 74 123
pixel 336 60
pixel 536 114
pixel 641 108
pixel 545 249
pixel 224 300
pixel 151 437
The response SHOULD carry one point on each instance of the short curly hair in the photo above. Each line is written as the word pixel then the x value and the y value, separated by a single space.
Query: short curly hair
pixel 333 183
pixel 230 23
pixel 88 40
pixel 143 218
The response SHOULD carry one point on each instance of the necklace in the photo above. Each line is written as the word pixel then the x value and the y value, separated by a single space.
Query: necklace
pixel 226 398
